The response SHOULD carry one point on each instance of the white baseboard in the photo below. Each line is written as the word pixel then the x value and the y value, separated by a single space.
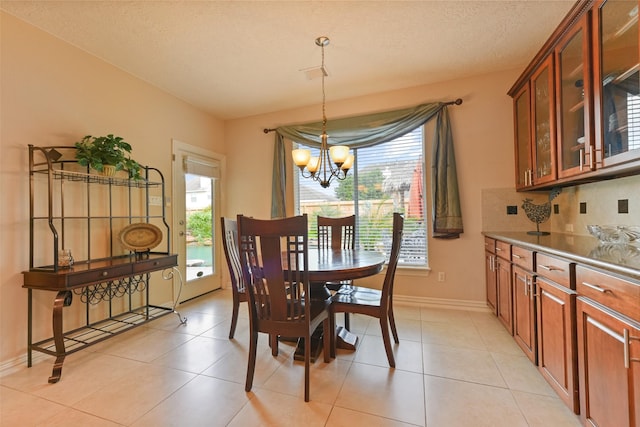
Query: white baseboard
pixel 451 304
pixel 12 365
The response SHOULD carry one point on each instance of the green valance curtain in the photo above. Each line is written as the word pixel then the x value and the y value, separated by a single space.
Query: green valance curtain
pixel 376 128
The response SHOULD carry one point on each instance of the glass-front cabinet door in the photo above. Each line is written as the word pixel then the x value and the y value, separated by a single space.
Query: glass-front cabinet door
pixel 575 151
pixel 543 129
pixel 534 118
pixel 522 117
pixel 617 81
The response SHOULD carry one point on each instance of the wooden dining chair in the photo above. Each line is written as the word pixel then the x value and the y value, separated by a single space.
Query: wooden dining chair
pixel 336 234
pixel 374 302
pixel 229 229
pixel 274 265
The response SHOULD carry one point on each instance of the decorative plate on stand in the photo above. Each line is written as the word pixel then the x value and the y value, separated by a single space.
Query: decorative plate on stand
pixel 141 237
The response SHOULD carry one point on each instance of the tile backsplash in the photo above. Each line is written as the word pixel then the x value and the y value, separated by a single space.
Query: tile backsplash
pixel 598 201
pixel 603 200
pixel 496 204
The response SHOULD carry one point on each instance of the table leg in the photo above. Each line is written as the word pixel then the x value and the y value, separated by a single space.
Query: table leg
pixel 316 346
pixel 62 299
pixel 345 339
pixel 317 291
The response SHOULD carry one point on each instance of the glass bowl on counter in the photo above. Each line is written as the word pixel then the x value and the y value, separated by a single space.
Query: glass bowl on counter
pixel 615 234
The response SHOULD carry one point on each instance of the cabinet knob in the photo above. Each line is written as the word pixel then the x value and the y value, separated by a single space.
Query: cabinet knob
pixel 104 273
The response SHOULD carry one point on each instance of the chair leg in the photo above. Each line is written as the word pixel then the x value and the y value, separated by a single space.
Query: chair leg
pixel 387 341
pixel 347 324
pixel 328 339
pixel 307 365
pixel 331 334
pixel 234 318
pixel 251 365
pixel 392 323
pixel 273 342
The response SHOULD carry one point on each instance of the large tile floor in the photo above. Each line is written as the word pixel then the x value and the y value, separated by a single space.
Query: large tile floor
pixel 454 368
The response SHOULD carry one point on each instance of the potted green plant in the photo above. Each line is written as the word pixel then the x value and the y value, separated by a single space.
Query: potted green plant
pixel 107 154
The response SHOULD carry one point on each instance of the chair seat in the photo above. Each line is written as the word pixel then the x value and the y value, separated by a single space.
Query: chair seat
pixel 296 326
pixel 335 286
pixel 358 295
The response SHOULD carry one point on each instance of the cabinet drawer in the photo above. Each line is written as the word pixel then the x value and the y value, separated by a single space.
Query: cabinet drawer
pixel 154 264
pixel 559 270
pixel 503 250
pixel 98 275
pixel 615 293
pixel 490 245
pixel 522 257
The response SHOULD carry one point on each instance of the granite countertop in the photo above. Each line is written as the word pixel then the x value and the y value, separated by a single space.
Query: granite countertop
pixel 616 258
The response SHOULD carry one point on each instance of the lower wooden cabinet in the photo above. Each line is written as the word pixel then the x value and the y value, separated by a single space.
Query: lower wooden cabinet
pixel 491 281
pixel 556 336
pixel 503 286
pixel 579 323
pixel 609 351
pixel 609 348
pixel 524 311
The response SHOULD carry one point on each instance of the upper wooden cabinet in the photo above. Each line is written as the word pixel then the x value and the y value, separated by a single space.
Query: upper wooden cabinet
pixel 534 112
pixel 616 56
pixel 577 105
pixel 522 129
pixel 573 75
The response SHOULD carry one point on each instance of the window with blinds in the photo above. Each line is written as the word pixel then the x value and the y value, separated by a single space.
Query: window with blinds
pixel 385 178
pixel 633 107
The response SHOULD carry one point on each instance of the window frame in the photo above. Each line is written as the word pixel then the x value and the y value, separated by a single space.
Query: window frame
pixel 356 172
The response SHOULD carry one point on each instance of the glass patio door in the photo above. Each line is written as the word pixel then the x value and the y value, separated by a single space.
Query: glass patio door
pixel 196 209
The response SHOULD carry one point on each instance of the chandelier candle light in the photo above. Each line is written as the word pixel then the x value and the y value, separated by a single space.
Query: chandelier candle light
pixel 322 168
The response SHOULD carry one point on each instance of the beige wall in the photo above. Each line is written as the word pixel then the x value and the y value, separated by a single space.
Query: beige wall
pixel 483 135
pixel 53 94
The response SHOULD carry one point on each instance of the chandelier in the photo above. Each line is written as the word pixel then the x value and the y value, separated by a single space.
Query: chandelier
pixel 334 161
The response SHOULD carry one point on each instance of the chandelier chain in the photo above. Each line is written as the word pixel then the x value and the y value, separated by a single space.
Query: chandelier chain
pixel 324 114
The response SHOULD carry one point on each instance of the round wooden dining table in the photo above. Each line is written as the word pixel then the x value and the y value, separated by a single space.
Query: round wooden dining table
pixel 328 265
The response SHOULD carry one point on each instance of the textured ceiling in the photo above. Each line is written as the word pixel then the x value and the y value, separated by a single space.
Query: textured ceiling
pixel 241 58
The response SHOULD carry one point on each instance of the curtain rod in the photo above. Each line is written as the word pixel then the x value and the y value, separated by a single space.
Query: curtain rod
pixel 456 102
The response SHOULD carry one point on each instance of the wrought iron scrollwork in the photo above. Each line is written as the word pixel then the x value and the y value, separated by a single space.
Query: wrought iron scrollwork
pixel 168 274
pixel 109 290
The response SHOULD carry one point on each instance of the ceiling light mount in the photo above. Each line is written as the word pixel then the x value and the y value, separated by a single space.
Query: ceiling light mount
pixel 322 41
